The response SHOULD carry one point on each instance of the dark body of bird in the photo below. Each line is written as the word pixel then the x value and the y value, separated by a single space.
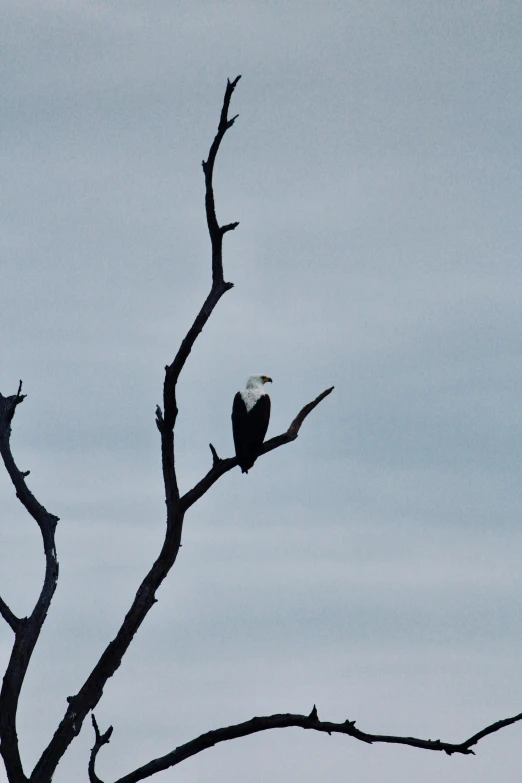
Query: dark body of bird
pixel 249 429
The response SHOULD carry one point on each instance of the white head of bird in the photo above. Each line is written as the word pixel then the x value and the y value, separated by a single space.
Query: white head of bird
pixel 254 389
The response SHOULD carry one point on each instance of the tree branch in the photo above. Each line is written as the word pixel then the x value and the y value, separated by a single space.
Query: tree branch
pixel 500 724
pixel 222 466
pixel 312 722
pixel 11 619
pixel 219 286
pixel 92 690
pixel 25 496
pixel 216 233
pixel 26 630
pixel 215 457
pixel 100 741
pixel 167 420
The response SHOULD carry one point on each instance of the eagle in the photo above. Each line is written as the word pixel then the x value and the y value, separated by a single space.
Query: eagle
pixel 250 417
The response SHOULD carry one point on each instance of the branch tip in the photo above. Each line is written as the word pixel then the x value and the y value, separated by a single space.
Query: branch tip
pixel 11 619
pixel 229 227
pixel 215 458
pixel 101 739
pixel 159 418
pixel 94 725
pixel 19 395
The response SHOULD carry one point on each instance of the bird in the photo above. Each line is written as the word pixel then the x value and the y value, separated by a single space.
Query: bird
pixel 250 417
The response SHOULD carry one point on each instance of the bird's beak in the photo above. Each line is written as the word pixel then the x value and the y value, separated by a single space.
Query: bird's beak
pixel 267 380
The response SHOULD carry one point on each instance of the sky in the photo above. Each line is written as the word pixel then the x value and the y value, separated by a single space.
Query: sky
pixel 373 566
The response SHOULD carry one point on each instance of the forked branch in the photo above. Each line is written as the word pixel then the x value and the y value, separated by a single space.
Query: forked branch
pixel 166 420
pixel 311 722
pixel 99 741
pixel 216 232
pixel 26 630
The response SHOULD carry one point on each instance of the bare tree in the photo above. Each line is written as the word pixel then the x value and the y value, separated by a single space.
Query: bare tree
pixel 26 630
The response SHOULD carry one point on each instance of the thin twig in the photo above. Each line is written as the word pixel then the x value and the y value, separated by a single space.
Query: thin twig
pixel 11 619
pixel 311 722
pixel 215 458
pixel 100 741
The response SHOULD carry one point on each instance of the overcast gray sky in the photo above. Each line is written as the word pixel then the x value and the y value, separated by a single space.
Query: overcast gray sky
pixel 373 567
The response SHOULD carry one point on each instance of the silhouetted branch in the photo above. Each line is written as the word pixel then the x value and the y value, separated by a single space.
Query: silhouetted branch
pixel 229 227
pixel 100 741
pixel 219 286
pixel 222 466
pixel 11 619
pixel 92 689
pixel 216 233
pixel 293 430
pixel 500 724
pixel 25 496
pixel 215 458
pixel 27 630
pixel 312 722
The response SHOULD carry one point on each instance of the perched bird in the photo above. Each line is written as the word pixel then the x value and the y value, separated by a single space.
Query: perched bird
pixel 250 417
